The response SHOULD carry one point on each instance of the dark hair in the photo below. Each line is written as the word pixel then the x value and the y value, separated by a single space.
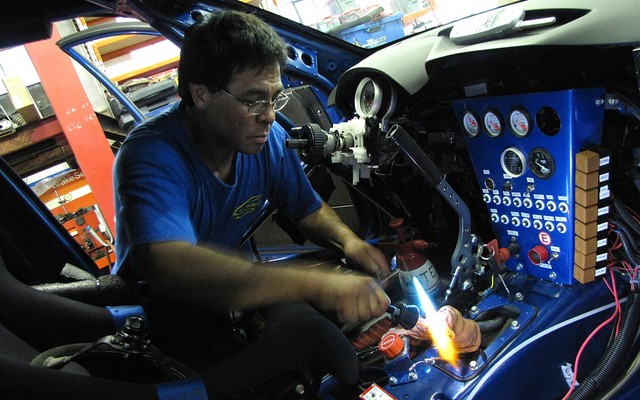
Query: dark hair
pixel 224 43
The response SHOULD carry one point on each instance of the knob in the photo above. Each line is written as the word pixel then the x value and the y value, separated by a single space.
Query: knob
pixel 538 255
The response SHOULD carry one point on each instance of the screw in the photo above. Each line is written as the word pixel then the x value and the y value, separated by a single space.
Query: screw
pixel 519 296
pixel 519 266
pixel 473 364
pixel 413 376
pixel 552 276
pixel 515 325
pixel 300 389
pixel 474 310
pixel 393 380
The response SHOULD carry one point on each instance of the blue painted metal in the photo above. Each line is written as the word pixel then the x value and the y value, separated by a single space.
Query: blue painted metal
pixel 581 115
pixel 121 313
pixel 68 43
pixel 187 388
pixel 527 360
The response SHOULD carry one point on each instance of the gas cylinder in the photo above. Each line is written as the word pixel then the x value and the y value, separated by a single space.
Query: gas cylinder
pixel 411 262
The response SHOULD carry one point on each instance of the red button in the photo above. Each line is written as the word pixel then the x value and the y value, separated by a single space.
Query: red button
pixel 538 255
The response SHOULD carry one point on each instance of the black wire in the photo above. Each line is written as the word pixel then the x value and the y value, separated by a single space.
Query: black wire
pixel 627 244
pixel 624 214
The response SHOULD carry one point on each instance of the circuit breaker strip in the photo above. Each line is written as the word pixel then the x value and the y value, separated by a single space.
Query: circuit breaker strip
pixel 592 209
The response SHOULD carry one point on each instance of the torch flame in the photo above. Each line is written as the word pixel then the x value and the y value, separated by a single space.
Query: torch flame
pixel 441 334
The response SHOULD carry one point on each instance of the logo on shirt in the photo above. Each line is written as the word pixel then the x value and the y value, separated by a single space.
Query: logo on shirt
pixel 248 206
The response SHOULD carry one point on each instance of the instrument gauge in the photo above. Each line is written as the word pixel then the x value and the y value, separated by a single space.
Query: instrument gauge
pixel 368 98
pixel 513 162
pixel 541 163
pixel 493 123
pixel 520 122
pixel 471 124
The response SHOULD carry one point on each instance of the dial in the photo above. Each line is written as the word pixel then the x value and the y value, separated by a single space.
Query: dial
pixel 520 122
pixel 368 98
pixel 471 124
pixel 493 123
pixel 513 161
pixel 541 163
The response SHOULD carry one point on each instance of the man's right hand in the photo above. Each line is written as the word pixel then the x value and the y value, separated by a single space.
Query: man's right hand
pixel 354 297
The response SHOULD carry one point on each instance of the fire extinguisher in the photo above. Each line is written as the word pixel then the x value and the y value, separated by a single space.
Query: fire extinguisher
pixel 411 262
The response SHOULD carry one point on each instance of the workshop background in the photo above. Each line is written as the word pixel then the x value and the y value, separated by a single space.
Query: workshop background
pixel 60 129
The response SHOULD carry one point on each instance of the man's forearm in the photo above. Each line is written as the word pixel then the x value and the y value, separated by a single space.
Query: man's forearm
pixel 215 280
pixel 324 227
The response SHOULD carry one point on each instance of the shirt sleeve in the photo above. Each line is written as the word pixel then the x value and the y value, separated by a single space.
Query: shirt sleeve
pixel 292 192
pixel 152 192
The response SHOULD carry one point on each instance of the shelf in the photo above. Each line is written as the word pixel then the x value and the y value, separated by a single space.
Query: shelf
pixel 123 43
pixel 147 70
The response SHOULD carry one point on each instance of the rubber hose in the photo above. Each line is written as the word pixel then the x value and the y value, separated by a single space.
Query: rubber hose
pixel 623 380
pixel 608 369
pixel 492 324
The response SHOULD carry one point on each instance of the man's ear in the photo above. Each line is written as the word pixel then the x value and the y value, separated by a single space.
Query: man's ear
pixel 199 93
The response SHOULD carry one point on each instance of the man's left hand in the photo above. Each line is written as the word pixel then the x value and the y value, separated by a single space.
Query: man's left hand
pixel 367 257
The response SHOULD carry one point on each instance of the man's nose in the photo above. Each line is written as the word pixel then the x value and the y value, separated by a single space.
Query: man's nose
pixel 268 115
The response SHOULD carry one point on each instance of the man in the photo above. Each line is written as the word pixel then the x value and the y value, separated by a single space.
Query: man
pixel 188 186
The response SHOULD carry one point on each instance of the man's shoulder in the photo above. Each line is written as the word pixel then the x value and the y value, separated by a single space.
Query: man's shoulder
pixel 167 123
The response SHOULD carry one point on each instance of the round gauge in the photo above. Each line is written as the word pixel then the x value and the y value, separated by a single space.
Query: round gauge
pixel 470 123
pixel 520 122
pixel 513 161
pixel 368 98
pixel 493 123
pixel 541 163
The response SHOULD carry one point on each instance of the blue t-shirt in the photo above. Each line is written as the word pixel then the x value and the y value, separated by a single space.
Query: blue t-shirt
pixel 164 191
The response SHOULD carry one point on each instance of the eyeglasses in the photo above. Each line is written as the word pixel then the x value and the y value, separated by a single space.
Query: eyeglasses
pixel 260 106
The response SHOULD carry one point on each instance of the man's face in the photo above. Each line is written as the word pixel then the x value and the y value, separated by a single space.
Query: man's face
pixel 226 122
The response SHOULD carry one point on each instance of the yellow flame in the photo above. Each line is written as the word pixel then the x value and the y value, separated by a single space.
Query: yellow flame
pixel 441 334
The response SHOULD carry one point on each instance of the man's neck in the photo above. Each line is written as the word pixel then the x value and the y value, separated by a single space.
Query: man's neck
pixel 219 158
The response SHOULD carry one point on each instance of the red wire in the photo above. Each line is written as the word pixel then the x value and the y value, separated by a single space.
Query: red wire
pixel 616 313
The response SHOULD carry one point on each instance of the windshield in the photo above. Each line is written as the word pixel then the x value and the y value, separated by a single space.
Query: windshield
pixel 372 23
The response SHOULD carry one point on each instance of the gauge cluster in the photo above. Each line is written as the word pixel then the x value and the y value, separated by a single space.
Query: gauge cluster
pixel 368 95
pixel 368 98
pixel 513 160
pixel 523 151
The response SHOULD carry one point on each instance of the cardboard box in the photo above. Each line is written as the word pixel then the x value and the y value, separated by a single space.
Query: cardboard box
pixel 21 99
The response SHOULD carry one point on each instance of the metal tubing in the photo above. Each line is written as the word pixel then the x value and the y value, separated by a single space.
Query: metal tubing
pixel 462 256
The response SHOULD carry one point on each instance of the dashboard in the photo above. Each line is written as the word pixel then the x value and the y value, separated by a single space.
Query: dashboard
pixel 505 102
